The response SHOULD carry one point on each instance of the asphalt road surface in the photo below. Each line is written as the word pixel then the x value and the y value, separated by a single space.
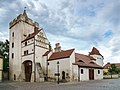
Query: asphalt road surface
pixel 111 84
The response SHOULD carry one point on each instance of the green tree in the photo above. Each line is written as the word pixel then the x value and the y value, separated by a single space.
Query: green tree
pixel 117 71
pixel 112 69
pixel 4 51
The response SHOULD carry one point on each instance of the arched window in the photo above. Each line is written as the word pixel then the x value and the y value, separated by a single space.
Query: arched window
pixel 92 63
pixel 81 61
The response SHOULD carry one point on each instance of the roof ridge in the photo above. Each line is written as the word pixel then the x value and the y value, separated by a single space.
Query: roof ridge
pixel 61 54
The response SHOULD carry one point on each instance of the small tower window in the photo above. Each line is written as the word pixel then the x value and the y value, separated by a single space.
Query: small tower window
pixel 12 45
pixel 26 43
pixel 13 34
pixel 26 52
pixel 12 55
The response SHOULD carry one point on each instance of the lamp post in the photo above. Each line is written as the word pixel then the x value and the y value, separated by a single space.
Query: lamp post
pixel 47 71
pixel 58 71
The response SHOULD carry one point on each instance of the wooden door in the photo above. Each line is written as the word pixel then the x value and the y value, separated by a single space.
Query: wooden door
pixel 28 70
pixel 91 74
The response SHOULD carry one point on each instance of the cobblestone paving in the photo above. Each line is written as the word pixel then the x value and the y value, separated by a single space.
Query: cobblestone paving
pixel 111 84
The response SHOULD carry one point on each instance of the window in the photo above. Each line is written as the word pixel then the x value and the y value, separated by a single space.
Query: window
pixel 92 63
pixel 12 45
pixel 26 43
pixel 48 63
pixel 80 61
pixel 26 52
pixel 81 71
pixel 98 71
pixel 12 55
pixel 14 77
pixel 67 74
pixel 13 34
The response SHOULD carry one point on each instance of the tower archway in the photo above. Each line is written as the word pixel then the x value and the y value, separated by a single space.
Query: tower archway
pixel 27 70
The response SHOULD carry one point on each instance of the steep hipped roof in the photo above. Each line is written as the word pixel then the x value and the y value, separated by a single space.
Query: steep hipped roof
pixel 86 61
pixel 61 54
pixel 31 35
pixel 82 57
pixel 95 51
pixel 91 58
pixel 85 58
pixel 109 64
pixel 87 65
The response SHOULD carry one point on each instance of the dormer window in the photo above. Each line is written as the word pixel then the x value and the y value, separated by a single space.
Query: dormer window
pixel 92 63
pixel 80 61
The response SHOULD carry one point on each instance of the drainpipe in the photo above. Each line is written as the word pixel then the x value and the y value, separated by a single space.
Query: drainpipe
pixel 78 74
pixel 34 62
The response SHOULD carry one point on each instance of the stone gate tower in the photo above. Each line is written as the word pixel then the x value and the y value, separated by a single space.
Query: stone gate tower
pixel 28 43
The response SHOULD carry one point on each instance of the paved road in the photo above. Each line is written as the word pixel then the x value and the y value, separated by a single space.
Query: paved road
pixel 111 84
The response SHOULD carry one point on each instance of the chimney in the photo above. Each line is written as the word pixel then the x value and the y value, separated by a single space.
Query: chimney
pixel 57 47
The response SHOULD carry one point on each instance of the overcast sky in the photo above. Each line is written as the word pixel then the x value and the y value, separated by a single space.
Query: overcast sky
pixel 79 24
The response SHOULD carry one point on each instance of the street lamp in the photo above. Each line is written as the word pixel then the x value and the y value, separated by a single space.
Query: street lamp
pixel 47 71
pixel 58 71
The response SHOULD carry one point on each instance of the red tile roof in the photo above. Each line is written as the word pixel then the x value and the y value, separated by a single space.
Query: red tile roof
pixel 31 35
pixel 86 61
pixel 82 57
pixel 93 65
pixel 91 58
pixel 46 53
pixel 95 51
pixel 60 55
pixel 109 64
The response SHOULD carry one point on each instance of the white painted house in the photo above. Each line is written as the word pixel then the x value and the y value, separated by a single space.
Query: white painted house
pixel 74 66
pixel 31 58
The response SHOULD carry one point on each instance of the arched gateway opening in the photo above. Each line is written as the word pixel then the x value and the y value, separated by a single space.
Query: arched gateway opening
pixel 28 70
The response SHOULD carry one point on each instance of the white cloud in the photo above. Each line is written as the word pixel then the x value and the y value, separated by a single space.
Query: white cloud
pixel 3 36
pixel 74 23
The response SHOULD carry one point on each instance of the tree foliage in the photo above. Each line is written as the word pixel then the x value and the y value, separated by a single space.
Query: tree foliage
pixel 113 70
pixel 117 70
pixel 4 51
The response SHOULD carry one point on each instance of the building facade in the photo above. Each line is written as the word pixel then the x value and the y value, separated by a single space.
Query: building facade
pixel 28 43
pixel 31 58
pixel 74 66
